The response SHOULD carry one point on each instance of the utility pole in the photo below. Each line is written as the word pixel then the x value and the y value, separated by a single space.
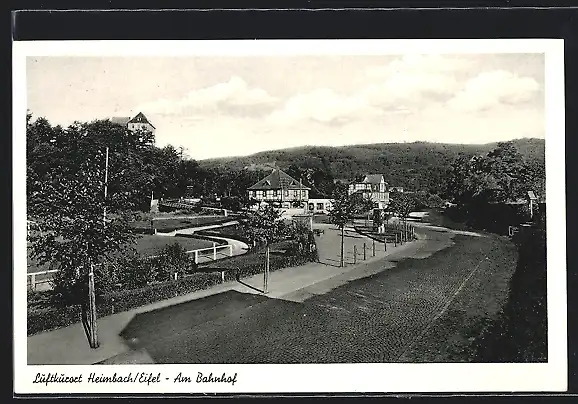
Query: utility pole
pixel 342 239
pixel 92 309
pixel 93 339
pixel 105 185
pixel 266 273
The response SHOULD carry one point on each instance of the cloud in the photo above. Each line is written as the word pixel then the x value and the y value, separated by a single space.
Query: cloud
pixel 412 79
pixel 234 96
pixel 490 89
pixel 323 105
pixel 396 88
pixel 418 64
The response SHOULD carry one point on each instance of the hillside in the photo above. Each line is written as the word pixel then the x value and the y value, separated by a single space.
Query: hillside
pixel 418 165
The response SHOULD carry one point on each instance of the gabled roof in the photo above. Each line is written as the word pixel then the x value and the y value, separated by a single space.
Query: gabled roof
pixel 373 179
pixel 140 118
pixel 121 120
pixel 277 180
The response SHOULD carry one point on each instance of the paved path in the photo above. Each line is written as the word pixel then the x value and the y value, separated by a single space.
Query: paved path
pixel 69 346
pixel 193 230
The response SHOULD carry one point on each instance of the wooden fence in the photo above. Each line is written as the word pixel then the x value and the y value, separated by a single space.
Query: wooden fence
pixel 40 281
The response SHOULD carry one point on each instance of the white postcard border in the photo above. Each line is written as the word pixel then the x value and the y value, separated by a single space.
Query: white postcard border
pixel 337 378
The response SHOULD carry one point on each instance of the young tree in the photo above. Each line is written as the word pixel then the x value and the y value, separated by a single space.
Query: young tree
pixel 402 204
pixel 264 226
pixel 342 212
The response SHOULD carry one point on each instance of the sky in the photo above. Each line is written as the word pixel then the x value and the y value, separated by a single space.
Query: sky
pixel 232 106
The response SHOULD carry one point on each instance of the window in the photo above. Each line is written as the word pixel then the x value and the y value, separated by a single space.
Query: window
pixel 286 192
pixel 254 194
pixel 311 206
pixel 320 206
pixel 275 193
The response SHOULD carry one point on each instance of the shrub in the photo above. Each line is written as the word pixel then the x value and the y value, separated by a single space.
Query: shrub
pixel 127 299
pixel 49 318
pixel 172 259
pixel 136 272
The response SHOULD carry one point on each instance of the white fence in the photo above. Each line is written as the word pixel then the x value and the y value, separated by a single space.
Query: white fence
pixel 40 281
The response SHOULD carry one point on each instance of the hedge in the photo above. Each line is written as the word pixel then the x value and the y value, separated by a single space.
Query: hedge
pixel 253 263
pixel 49 318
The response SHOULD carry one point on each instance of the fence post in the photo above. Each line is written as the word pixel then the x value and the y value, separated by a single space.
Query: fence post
pixel 196 257
pixel 354 254
pixel 33 282
pixel 364 253
pixel 230 250
pixel 395 244
pixel 374 247
pixel 223 276
pixel 214 251
pixel 385 243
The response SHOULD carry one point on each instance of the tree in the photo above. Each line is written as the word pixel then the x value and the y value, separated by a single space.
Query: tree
pixel 342 212
pixel 264 225
pixel 66 195
pixel 402 204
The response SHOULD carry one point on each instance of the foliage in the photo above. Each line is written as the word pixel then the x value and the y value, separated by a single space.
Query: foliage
pixel 343 207
pixel 302 237
pixel 172 259
pixel 402 204
pixel 361 204
pixel 418 166
pixel 263 225
pixel 501 175
pixel 66 194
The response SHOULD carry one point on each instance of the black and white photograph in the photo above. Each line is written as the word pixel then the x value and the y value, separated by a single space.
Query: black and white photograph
pixel 377 206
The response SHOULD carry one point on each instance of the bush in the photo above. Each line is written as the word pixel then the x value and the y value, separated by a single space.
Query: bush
pixel 136 272
pixel 283 255
pixel 49 318
pixel 172 259
pixel 128 299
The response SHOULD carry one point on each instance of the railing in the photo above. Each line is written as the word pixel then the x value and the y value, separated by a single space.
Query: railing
pixel 211 252
pixel 184 205
pixel 205 254
pixel 33 282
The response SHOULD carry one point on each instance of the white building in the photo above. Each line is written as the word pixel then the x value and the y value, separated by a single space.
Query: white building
pixel 372 187
pixel 319 205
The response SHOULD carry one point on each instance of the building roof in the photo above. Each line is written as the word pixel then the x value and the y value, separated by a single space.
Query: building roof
pixel 373 179
pixel 121 120
pixel 277 180
pixel 140 118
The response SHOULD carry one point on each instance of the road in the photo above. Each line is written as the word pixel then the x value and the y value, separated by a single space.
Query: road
pixel 421 309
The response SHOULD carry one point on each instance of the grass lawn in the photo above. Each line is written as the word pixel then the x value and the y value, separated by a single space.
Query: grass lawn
pixel 149 245
pixel 234 232
pixel 170 224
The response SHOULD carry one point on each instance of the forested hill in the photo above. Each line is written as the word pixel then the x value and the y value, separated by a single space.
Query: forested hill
pixel 416 166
